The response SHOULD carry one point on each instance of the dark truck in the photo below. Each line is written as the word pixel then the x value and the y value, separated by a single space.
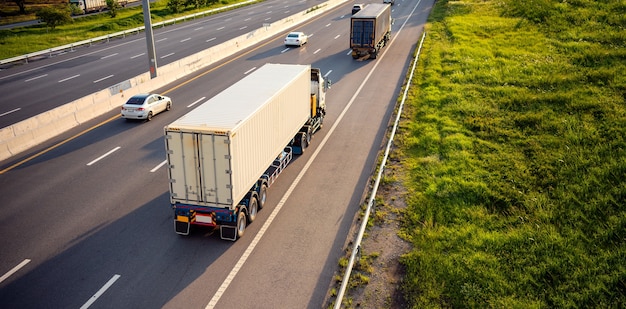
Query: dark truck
pixel 370 30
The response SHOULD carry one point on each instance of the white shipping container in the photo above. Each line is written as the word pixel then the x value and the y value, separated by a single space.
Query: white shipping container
pixel 217 151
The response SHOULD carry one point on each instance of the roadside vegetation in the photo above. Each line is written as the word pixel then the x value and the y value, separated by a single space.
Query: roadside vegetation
pixel 513 152
pixel 24 40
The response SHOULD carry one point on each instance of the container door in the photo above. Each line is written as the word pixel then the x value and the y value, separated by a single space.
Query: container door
pixel 182 156
pixel 216 170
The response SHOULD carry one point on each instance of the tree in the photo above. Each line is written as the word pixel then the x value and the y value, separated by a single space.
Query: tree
pixel 54 17
pixel 175 5
pixel 113 6
pixel 22 5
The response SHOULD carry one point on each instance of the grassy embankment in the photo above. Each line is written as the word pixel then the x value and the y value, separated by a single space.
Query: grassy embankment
pixel 20 41
pixel 514 152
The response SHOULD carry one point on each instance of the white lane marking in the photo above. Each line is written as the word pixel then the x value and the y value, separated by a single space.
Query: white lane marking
pixel 284 50
pixel 349 53
pixel 327 73
pixel 99 80
pixel 337 36
pixel 158 166
pixel 167 55
pixel 199 28
pixel 244 27
pixel 328 25
pixel 247 19
pixel 220 28
pixel 196 102
pixel 211 39
pixel 268 18
pixel 161 40
pixel 269 12
pixel 11 111
pixel 66 79
pixel 286 12
pixel 37 77
pixel 185 40
pixel 104 155
pixel 111 55
pixel 246 73
pixel 220 291
pixel 317 51
pixel 135 56
pixel 100 292
pixel 14 270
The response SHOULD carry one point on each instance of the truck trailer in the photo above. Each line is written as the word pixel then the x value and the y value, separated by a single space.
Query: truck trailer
pixel 90 6
pixel 224 155
pixel 370 30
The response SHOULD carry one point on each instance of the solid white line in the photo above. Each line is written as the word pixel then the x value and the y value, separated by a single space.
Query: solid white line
pixel 11 111
pixel 135 56
pixel 99 80
pixel 158 166
pixel 100 292
pixel 66 79
pixel 246 73
pixel 104 155
pixel 14 270
pixel 167 55
pixel 111 55
pixel 34 78
pixel 257 238
pixel 196 102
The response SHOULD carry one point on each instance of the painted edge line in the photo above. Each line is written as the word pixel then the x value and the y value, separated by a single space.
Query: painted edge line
pixel 14 270
pixel 100 292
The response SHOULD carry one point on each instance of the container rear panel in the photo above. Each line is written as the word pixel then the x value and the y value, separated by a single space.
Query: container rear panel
pixel 199 167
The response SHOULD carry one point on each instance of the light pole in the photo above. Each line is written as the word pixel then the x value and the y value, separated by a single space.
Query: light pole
pixel 147 21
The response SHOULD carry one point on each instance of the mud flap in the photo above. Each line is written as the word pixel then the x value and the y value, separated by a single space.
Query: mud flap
pixel 228 232
pixel 182 228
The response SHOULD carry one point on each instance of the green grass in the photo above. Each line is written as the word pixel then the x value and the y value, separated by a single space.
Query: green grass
pixel 514 149
pixel 24 40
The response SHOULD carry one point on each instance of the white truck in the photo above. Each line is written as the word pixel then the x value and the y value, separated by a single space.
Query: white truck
pixel 90 6
pixel 223 155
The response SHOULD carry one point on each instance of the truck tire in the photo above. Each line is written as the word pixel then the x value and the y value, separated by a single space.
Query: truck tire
pixel 242 222
pixel 262 195
pixel 307 130
pixel 253 208
pixel 301 140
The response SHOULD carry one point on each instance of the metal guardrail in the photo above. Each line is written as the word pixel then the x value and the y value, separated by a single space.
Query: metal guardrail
pixel 356 250
pixel 122 34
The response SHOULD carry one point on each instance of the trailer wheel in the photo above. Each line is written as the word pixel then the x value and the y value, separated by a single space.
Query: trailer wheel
pixel 262 195
pixel 241 224
pixel 253 208
pixel 301 140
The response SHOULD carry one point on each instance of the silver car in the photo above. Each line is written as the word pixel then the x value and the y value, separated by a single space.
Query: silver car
pixel 144 106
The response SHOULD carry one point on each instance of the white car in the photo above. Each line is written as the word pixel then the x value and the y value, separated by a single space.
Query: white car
pixel 144 106
pixel 296 38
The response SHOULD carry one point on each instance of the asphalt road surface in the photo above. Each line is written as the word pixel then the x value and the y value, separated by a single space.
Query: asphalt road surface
pixel 86 223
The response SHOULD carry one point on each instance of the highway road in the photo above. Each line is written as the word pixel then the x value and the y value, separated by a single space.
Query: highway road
pixel 87 223
pixel 42 85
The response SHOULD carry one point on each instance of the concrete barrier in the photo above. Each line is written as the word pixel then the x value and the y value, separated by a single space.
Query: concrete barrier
pixel 28 133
